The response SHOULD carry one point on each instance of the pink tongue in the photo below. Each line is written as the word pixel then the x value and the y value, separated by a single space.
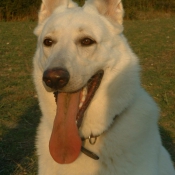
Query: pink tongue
pixel 65 143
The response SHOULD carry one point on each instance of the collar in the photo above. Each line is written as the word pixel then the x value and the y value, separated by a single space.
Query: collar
pixel 92 140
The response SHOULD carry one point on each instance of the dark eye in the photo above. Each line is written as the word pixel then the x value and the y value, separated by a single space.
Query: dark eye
pixel 48 42
pixel 87 42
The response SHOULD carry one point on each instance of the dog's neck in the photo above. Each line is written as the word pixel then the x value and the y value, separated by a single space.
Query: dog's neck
pixel 92 140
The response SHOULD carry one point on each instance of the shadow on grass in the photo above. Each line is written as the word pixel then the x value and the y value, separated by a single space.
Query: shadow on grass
pixel 17 150
pixel 168 142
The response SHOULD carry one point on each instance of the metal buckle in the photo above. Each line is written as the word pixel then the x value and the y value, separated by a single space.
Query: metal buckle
pixel 92 139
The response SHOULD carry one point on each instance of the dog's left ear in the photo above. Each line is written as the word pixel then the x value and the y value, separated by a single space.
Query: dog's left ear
pixel 112 9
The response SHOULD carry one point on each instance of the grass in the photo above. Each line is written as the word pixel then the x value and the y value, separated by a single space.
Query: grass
pixel 152 40
pixel 19 114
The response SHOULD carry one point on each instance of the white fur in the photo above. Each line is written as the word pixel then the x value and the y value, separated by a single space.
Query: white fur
pixel 132 144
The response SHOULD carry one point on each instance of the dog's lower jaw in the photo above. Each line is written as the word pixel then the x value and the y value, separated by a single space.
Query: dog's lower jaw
pixel 92 86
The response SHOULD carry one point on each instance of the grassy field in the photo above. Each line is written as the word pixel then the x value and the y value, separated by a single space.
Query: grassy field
pixel 152 40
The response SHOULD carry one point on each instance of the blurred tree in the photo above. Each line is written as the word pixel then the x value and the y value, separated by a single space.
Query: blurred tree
pixel 22 9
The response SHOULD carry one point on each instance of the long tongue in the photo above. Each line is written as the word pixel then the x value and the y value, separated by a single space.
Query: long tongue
pixel 65 143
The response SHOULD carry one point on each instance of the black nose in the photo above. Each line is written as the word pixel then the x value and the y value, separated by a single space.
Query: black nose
pixel 56 78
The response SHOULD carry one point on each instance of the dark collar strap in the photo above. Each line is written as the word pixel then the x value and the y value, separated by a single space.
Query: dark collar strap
pixel 92 140
pixel 89 153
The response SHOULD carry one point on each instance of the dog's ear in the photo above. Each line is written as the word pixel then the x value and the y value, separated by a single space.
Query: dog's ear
pixel 48 6
pixel 112 9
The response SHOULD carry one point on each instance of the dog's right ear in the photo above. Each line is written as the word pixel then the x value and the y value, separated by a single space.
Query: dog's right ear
pixel 48 6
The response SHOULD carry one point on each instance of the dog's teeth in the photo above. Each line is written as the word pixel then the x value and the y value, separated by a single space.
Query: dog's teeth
pixel 83 98
pixel 81 104
pixel 85 91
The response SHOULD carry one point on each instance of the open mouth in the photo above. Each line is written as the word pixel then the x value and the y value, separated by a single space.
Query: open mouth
pixel 65 142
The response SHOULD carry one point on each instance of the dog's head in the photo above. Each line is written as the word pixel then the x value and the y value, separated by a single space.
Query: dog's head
pixel 80 52
pixel 76 41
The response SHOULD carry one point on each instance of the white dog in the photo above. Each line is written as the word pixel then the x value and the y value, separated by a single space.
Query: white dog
pixel 96 117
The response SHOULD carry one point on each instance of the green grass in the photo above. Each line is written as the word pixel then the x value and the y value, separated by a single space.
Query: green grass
pixel 152 40
pixel 19 112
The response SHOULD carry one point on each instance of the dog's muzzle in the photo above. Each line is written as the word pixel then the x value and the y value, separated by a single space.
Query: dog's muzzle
pixel 65 142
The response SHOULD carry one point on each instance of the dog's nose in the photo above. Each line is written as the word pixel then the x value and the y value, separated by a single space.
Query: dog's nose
pixel 56 78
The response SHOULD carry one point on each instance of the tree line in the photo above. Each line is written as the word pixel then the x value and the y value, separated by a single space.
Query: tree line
pixel 27 9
